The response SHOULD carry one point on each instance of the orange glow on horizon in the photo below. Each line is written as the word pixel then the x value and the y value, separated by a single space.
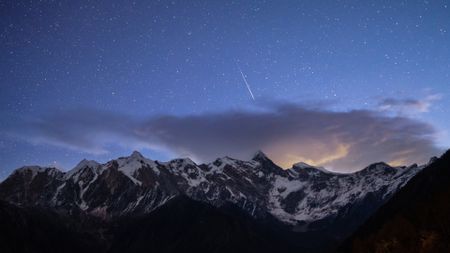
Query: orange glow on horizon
pixel 341 151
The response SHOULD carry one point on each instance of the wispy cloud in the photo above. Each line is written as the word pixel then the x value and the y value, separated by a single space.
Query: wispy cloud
pixel 343 141
pixel 409 106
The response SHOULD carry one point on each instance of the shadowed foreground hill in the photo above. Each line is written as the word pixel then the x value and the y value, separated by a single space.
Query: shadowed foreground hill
pixel 416 219
pixel 36 230
pixel 182 225
pixel 185 225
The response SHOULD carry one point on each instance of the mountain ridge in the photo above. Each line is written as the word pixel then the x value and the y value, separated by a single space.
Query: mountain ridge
pixel 259 186
pixel 258 156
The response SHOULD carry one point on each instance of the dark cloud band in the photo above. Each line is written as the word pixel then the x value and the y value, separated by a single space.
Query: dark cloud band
pixel 343 141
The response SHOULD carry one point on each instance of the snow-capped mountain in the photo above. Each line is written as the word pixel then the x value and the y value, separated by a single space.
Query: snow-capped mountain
pixel 304 197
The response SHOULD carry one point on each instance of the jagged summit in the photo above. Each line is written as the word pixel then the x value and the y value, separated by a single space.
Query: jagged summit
pixel 259 155
pixel 35 169
pixel 378 167
pixel 184 160
pixel 137 155
pixel 304 166
pixel 432 160
pixel 30 168
pixel 91 164
pixel 86 163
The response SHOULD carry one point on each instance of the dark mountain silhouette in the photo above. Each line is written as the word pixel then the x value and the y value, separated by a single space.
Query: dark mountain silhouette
pixel 416 219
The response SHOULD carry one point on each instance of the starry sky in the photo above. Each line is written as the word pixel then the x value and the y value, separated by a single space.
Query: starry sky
pixel 339 84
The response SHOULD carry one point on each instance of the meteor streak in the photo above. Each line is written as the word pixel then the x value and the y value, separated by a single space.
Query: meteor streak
pixel 246 83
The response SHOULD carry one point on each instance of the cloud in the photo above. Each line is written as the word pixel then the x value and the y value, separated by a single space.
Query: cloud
pixel 288 133
pixel 408 106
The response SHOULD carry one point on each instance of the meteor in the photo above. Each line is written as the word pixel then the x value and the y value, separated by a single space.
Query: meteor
pixel 246 83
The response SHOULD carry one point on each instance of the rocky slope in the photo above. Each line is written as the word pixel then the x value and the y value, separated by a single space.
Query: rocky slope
pixel 416 219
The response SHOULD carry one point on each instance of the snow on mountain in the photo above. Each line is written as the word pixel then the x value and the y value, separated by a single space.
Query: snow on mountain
pixel 302 165
pixel 80 166
pixel 130 165
pixel 35 170
pixel 302 194
pixel 313 194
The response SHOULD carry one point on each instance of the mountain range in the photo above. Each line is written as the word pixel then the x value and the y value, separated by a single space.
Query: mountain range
pixel 136 204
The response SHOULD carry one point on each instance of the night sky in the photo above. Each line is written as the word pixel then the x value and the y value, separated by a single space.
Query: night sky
pixel 339 84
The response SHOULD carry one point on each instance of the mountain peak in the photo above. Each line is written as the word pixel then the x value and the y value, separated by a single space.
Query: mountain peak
pixel 378 167
pixel 86 163
pixel 432 160
pixel 303 166
pixel 82 164
pixel 259 156
pixel 136 154
pixel 32 168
